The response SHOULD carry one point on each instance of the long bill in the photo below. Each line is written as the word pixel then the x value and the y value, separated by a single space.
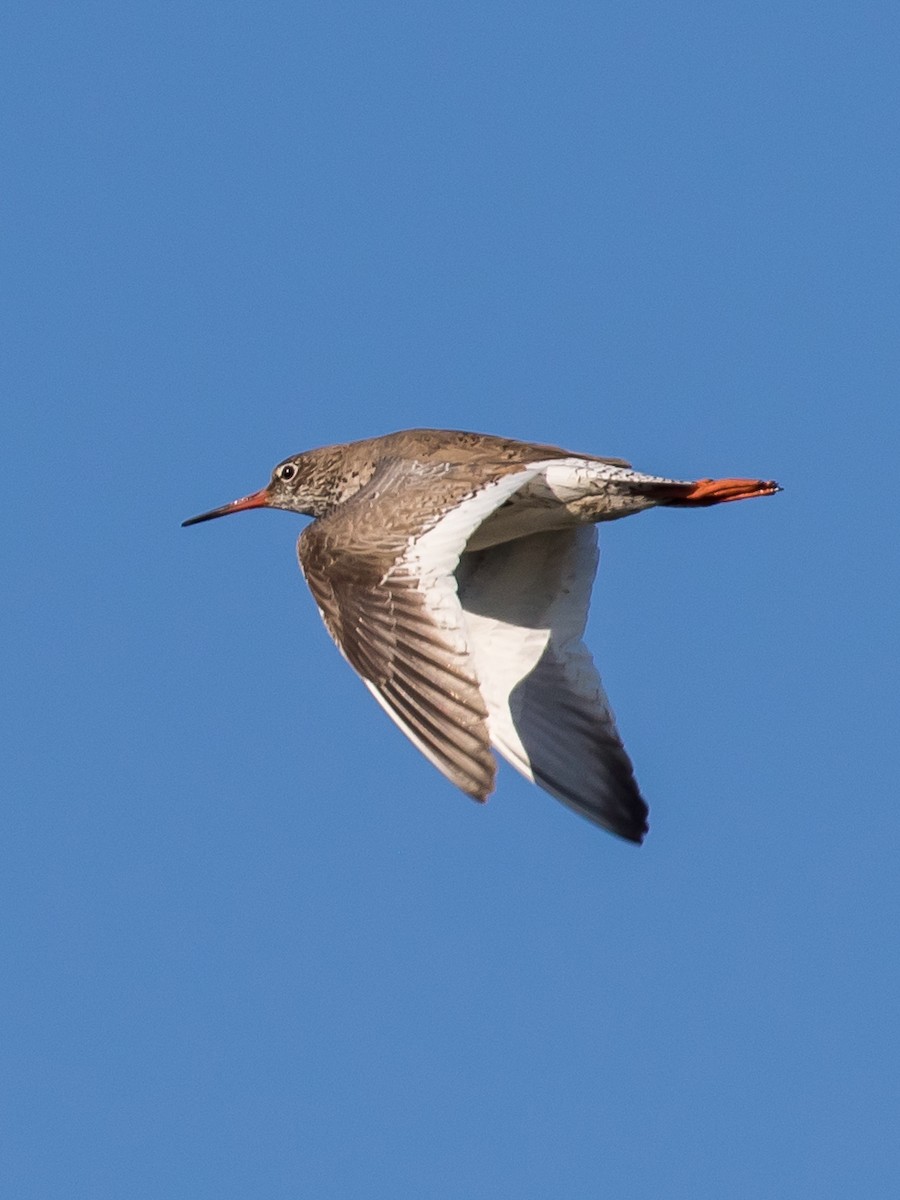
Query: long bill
pixel 256 500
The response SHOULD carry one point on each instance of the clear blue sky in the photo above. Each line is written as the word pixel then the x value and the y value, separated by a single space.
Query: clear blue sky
pixel 252 943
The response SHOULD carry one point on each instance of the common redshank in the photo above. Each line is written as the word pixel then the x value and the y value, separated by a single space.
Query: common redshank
pixel 454 572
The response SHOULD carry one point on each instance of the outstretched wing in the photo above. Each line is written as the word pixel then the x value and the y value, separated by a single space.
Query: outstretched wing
pixel 525 606
pixel 380 568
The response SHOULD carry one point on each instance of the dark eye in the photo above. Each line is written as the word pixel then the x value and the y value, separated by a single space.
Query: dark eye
pixel 288 471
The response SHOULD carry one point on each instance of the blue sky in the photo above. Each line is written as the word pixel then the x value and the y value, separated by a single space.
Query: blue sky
pixel 253 944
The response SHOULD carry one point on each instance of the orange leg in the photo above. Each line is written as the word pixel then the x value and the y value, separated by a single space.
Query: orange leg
pixel 717 491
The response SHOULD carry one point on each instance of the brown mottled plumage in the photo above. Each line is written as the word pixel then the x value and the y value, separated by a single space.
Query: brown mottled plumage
pixel 454 571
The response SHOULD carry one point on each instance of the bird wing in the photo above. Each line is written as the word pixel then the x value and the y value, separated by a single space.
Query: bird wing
pixel 525 605
pixel 380 568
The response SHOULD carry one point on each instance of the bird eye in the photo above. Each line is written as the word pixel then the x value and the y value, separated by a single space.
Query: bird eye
pixel 288 471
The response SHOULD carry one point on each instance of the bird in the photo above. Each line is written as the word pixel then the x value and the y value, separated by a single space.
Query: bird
pixel 454 572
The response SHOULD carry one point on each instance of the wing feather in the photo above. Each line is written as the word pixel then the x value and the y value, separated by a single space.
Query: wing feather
pixel 380 568
pixel 525 605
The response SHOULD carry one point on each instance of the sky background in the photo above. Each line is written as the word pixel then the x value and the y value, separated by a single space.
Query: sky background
pixel 252 943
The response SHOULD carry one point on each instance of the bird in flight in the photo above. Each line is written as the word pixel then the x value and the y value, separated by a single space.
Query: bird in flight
pixel 454 572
